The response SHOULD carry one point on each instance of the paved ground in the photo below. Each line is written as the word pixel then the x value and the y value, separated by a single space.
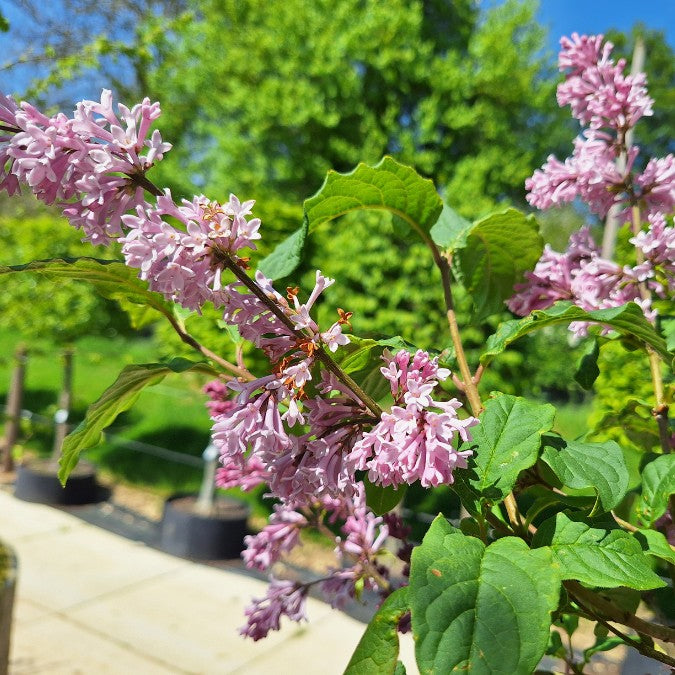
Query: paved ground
pixel 90 601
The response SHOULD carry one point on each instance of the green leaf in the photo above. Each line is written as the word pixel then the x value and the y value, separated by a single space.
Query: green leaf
pixel 387 186
pixel 654 543
pixel 113 279
pixel 600 466
pixel 602 645
pixel 627 320
pixel 120 396
pixel 286 256
pixel 499 249
pixel 477 609
pixel 668 326
pixel 597 556
pixel 588 371
pixel 377 651
pixel 4 24
pixel 506 441
pixel 658 484
pixel 381 499
pixel 400 669
pixel 451 230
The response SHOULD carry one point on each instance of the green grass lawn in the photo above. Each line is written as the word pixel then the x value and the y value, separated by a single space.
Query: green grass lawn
pixel 169 415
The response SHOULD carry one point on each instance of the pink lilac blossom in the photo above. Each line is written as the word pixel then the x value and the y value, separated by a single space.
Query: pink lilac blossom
pixel 358 546
pixel 582 276
pixel 596 89
pixel 283 598
pixel 246 475
pixel 279 536
pixel 220 401
pixel 591 174
pixel 183 265
pixel 416 440
pixel 599 172
pixel 87 163
pixel 363 536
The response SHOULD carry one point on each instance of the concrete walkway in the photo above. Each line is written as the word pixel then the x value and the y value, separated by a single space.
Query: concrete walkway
pixel 90 601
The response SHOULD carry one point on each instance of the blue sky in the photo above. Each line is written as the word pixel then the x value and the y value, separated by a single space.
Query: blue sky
pixel 561 17
pixel 597 16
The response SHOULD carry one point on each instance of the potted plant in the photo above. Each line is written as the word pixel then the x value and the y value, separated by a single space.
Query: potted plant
pixel 36 479
pixel 8 568
pixel 204 526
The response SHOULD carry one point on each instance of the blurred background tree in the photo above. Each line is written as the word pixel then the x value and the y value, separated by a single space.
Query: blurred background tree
pixel 38 310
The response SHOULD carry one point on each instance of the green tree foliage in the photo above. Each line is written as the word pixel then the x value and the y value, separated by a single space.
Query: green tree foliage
pixel 265 97
pixel 39 309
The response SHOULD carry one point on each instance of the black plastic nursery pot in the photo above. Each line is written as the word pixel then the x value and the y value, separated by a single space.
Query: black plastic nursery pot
pixel 36 481
pixel 7 585
pixel 214 534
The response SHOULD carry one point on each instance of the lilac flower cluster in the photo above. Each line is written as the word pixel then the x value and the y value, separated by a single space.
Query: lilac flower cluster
pixel 357 546
pixel 582 276
pixel 86 162
pixel 303 429
pixel 183 265
pixel 609 103
pixel 416 440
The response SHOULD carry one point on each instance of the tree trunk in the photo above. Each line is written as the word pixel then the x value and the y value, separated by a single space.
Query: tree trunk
pixel 612 220
pixel 14 399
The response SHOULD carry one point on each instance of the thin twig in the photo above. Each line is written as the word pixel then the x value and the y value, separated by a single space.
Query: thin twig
pixel 641 646
pixel 613 613
pixel 190 340
pixel 468 380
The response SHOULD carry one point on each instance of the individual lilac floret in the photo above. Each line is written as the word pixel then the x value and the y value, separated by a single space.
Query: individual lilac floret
pixel 417 440
pixel 283 598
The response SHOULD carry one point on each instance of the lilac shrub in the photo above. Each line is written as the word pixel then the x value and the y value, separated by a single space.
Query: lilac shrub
pixel 338 426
